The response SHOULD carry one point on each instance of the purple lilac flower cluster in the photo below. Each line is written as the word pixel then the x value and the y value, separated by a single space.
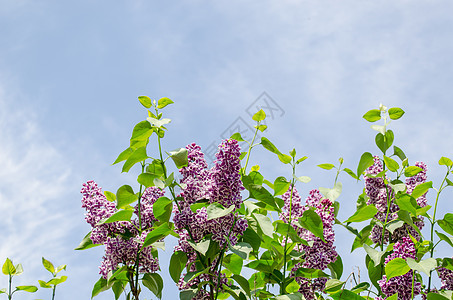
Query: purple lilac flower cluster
pixel 122 239
pixel 401 284
pixel 446 277
pixel 220 184
pixel 378 192
pixel 320 254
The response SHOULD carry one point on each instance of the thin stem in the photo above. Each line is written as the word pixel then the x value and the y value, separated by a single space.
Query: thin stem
pixel 433 222
pixel 10 295
pixel 282 286
pixel 53 292
pixel 250 149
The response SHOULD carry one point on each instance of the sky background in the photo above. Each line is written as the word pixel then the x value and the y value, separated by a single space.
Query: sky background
pixel 71 72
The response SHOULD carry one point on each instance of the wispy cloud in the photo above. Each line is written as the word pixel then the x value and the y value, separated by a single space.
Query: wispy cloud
pixel 33 180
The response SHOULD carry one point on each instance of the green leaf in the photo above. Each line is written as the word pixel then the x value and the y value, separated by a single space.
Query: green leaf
pixel 425 266
pixel 447 223
pixel 60 268
pixel 162 209
pixel 48 265
pixel 201 247
pixel 313 223
pixel 243 283
pixel 100 286
pixel 124 155
pixel 445 161
pixel 384 142
pixel 44 284
pixel 216 210
pixel 265 224
pixel 395 113
pixel 293 153
pixel 269 146
pixel 346 295
pixel 412 171
pixel 393 297
pixel 188 294
pixel 263 265
pixel 241 249
pixel 294 296
pixel 57 280
pixel 259 116
pixel 310 273
pixel 86 243
pixel 281 185
pixel 372 115
pixel 334 193
pixel 363 214
pixel 233 262
pixel 374 254
pixel 159 123
pixel 163 102
pixel 178 262
pixel 125 196
pixel 145 101
pixel 398 152
pixel 333 285
pixel 154 283
pixel 408 203
pixel 366 160
pixel 363 286
pixel 237 136
pixel 179 157
pixel 326 166
pixel 336 267
pixel 258 192
pixel 252 238
pixel 146 179
pixel 303 179
pixel 118 288
pixel 120 215
pixel 352 174
pixel 421 189
pixel 435 296
pixel 138 156
pixel 27 288
pixel 391 164
pixel 396 267
pixel 142 131
pixel 8 267
pixel 379 128
pixel 445 238
pixel 301 159
pixel 156 234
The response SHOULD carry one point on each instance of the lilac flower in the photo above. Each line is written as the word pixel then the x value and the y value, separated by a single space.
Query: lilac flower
pixel 320 254
pixel 401 284
pixel 379 193
pixel 121 239
pixel 446 277
pixel 220 184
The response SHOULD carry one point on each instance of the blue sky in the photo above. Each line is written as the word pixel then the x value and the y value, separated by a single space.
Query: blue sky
pixel 70 74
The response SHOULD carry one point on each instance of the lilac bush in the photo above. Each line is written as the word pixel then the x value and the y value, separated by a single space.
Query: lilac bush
pixel 223 218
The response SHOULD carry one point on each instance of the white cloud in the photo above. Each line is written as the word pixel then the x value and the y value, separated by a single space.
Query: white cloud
pixel 33 181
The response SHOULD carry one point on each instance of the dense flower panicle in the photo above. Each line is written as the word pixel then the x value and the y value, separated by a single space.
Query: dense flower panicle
pixel 120 249
pixel 320 254
pixel 149 196
pixel 446 277
pixel 96 203
pixel 220 184
pixel 401 284
pixel 225 181
pixel 378 192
